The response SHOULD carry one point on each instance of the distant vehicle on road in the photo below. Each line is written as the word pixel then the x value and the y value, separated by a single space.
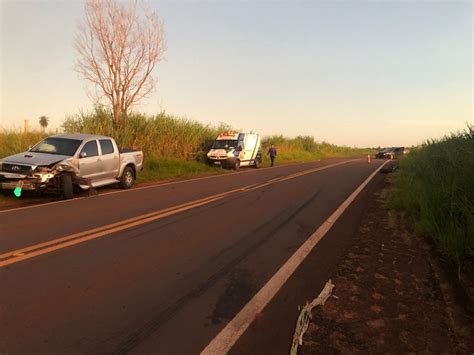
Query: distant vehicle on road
pixel 233 150
pixel 384 153
pixel 61 162
pixel 390 153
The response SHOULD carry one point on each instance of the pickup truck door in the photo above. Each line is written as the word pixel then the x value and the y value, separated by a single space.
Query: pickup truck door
pixel 90 166
pixel 110 159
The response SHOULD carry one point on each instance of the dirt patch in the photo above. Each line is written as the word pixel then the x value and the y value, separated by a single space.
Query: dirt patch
pixel 391 295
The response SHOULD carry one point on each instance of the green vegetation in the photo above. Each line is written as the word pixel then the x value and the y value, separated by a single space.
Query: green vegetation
pixel 304 148
pixel 161 136
pixel 436 186
pixel 14 141
pixel 173 146
pixel 43 121
pixel 160 169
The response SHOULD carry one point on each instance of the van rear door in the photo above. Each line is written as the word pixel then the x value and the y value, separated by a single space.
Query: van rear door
pixel 250 143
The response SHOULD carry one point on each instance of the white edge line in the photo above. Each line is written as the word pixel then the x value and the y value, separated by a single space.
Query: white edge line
pixel 224 341
pixel 155 185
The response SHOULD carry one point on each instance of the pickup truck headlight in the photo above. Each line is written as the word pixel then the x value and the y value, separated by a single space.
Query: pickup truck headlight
pixel 42 169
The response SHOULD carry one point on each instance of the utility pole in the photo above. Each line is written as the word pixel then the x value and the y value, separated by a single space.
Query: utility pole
pixel 25 127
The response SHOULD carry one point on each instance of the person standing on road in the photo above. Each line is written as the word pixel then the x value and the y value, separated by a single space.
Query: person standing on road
pixel 273 153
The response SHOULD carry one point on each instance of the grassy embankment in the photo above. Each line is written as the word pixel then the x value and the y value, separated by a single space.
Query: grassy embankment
pixel 173 146
pixel 436 187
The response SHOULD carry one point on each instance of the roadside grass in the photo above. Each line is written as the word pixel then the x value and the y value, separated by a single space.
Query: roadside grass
pixel 435 186
pixel 14 141
pixel 173 146
pixel 162 169
pixel 305 148
pixel 161 136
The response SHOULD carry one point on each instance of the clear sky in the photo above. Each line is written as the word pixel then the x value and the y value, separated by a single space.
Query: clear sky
pixel 372 73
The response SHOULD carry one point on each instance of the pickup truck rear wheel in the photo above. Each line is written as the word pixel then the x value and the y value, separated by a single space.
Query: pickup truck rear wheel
pixel 127 178
pixel 66 186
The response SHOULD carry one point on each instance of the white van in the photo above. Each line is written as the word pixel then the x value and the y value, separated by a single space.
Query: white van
pixel 233 150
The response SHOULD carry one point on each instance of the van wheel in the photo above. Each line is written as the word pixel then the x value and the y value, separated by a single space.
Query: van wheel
pixel 66 186
pixel 237 165
pixel 127 179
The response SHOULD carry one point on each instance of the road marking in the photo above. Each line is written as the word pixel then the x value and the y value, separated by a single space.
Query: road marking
pixel 113 225
pixel 51 246
pixel 155 185
pixel 224 341
pixel 32 251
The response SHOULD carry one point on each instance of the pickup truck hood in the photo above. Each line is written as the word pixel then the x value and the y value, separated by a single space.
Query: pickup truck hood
pixel 34 159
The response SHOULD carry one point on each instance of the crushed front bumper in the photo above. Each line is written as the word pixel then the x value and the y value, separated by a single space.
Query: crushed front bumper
pixel 10 181
pixel 48 180
pixel 12 185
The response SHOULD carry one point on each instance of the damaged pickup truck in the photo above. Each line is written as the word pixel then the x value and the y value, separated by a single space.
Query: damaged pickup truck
pixel 61 162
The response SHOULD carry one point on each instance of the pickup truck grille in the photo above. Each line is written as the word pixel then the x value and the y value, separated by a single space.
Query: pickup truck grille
pixel 17 169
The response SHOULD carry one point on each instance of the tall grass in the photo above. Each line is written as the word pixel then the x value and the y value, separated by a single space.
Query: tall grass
pixel 168 137
pixel 160 136
pixel 304 148
pixel 173 146
pixel 14 141
pixel 436 186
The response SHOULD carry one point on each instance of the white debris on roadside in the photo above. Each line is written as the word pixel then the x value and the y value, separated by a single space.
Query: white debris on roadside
pixel 305 316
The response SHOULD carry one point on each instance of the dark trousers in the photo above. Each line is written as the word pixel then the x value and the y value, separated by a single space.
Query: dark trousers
pixel 272 158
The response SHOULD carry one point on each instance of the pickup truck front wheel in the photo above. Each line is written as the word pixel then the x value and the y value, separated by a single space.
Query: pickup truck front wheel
pixel 66 186
pixel 128 178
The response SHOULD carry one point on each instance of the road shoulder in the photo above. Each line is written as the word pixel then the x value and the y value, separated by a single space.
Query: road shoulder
pixel 391 294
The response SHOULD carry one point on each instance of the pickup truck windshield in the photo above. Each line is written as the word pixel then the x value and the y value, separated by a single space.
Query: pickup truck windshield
pixel 224 144
pixel 60 146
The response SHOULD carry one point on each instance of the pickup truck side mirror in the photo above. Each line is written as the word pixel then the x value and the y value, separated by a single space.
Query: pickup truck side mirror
pixel 83 155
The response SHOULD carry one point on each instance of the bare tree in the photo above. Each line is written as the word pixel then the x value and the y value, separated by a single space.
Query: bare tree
pixel 119 45
pixel 43 121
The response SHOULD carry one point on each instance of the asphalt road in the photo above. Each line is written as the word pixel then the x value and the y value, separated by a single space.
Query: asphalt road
pixel 162 269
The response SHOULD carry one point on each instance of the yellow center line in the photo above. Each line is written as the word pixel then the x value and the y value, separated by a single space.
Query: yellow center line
pixel 113 225
pixel 77 238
